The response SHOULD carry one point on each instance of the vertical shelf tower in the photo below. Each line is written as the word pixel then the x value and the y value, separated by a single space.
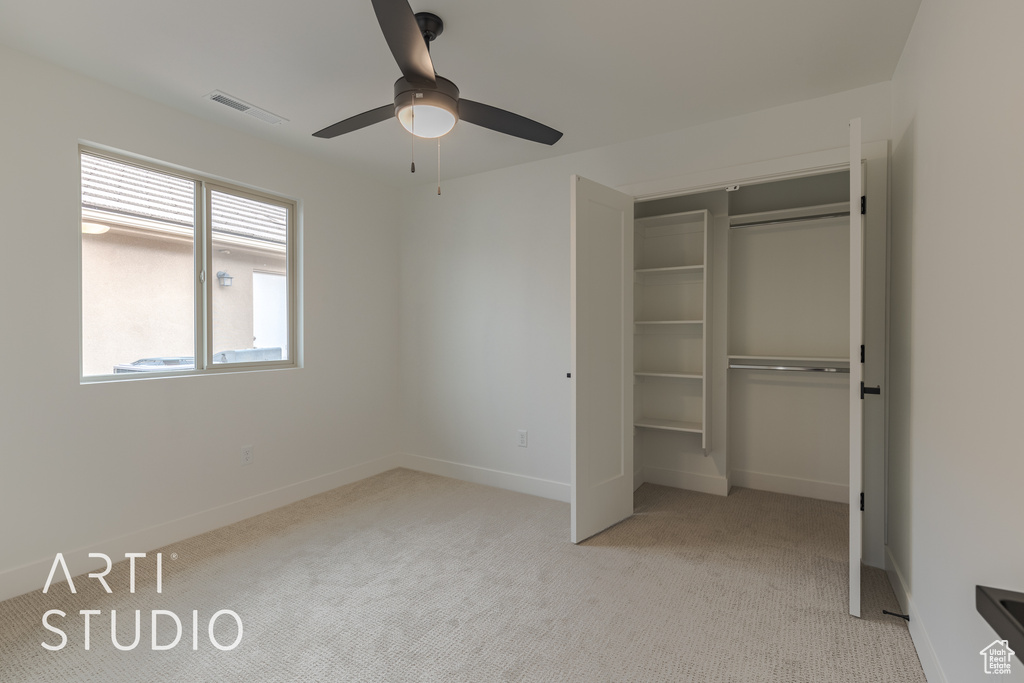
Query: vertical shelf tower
pixel 672 310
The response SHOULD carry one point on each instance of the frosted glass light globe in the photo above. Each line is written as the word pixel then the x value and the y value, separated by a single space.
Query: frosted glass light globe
pixel 430 121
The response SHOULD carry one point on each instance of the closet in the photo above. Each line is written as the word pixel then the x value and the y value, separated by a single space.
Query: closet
pixel 744 337
pixel 781 339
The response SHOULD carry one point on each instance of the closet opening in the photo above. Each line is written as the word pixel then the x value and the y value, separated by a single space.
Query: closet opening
pixel 722 332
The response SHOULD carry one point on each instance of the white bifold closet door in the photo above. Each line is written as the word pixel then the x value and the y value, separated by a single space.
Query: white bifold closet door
pixel 601 293
pixel 856 368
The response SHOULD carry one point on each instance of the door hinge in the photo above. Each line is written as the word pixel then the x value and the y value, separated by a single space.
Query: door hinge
pixel 863 205
pixel 202 276
pixel 861 353
pixel 868 390
pixel 862 501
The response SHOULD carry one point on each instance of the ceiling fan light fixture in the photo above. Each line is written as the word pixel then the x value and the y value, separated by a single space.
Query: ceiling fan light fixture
pixel 426 120
pixel 427 112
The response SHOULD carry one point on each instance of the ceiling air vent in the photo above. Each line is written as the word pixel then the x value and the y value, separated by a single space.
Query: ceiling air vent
pixel 244 107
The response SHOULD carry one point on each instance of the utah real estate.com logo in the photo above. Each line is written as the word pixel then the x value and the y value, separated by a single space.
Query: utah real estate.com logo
pixel 155 615
pixel 997 657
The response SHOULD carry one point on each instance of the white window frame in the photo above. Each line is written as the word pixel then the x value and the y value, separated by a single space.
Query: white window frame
pixel 203 276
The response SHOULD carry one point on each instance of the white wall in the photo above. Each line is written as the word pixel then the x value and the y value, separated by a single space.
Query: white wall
pixel 485 286
pixel 122 467
pixel 956 467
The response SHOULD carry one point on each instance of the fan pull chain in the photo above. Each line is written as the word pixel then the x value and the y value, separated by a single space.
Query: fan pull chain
pixel 439 166
pixel 412 140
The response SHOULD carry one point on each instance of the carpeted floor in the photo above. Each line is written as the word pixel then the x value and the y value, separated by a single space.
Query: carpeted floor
pixel 411 577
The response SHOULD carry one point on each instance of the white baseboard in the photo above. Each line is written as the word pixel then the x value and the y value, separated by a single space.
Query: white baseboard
pixel 489 477
pixel 808 488
pixel 32 576
pixel 705 483
pixel 918 633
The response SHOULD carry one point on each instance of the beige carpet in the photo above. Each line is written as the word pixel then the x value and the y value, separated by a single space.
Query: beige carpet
pixel 412 577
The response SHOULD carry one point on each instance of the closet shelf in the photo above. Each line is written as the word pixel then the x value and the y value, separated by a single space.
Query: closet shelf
pixel 670 425
pixel 674 375
pixel 791 359
pixel 669 322
pixel 694 219
pixel 671 269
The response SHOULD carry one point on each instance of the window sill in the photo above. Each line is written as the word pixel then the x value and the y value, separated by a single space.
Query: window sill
pixel 232 369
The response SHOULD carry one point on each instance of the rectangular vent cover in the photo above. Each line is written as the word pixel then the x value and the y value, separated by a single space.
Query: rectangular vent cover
pixel 244 107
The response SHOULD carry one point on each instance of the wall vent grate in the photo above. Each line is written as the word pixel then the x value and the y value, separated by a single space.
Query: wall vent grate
pixel 244 107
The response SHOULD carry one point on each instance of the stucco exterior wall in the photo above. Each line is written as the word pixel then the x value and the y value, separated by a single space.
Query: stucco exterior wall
pixel 138 301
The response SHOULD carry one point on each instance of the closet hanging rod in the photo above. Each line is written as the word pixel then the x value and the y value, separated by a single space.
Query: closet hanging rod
pixel 788 368
pixel 778 221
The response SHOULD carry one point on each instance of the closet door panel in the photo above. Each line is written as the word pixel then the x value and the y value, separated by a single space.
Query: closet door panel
pixel 601 322
pixel 855 309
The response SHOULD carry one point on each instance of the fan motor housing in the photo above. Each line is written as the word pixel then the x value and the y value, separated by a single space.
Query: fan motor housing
pixel 445 95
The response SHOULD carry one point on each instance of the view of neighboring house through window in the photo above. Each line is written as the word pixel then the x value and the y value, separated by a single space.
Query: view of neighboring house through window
pixel 180 274
pixel 238 223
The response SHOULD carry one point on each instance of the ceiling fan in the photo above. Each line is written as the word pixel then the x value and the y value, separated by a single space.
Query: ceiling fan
pixel 427 105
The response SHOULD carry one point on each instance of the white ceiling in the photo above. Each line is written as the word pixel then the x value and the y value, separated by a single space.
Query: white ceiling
pixel 601 71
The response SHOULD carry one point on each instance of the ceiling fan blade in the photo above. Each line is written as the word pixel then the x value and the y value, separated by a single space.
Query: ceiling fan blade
pixel 367 118
pixel 403 35
pixel 506 122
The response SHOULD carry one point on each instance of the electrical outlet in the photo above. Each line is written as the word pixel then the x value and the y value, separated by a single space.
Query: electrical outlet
pixel 523 438
pixel 246 454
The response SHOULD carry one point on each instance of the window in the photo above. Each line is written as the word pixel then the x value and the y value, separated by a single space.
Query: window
pixel 182 274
